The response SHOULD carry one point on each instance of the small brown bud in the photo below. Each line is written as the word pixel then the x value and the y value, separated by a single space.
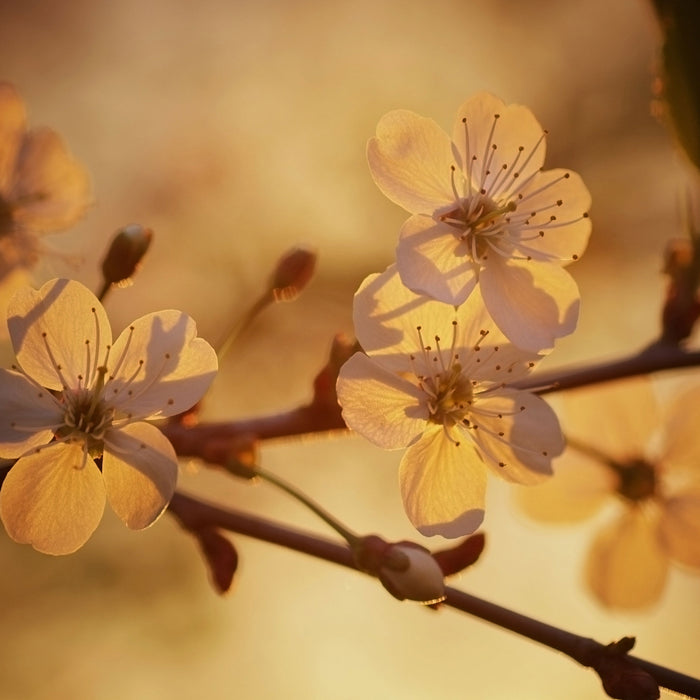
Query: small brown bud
pixel 293 273
pixel 129 245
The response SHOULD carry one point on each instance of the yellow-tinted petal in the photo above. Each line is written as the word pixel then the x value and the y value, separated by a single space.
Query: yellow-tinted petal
pixel 533 303
pixel 380 405
pixel 443 485
pixel 517 434
pixel 681 451
pixel 576 491
pixel 433 261
pixel 159 367
pixel 28 415
pixel 510 128
pixel 680 527
pixel 61 325
pixel 139 466
pixel 410 160
pixel 53 499
pixel 627 566
pixel 617 418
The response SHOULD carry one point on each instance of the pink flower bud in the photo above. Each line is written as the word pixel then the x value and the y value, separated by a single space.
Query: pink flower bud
pixel 410 572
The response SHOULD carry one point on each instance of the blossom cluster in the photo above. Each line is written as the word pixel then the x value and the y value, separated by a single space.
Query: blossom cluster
pixel 478 294
pixel 76 409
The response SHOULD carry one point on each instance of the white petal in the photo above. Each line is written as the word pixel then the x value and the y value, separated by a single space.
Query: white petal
pixel 28 415
pixel 514 128
pixel 387 316
pixel 139 466
pixel 51 188
pixel 158 367
pixel 432 260
pixel 626 566
pixel 443 485
pixel 59 333
pixel 559 193
pixel 680 527
pixel 12 125
pixel 379 405
pixel 53 499
pixel 518 435
pixel 410 160
pixel 533 303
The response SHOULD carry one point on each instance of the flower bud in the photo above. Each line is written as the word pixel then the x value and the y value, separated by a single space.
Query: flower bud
pixel 410 572
pixel 129 245
pixel 406 570
pixel 294 271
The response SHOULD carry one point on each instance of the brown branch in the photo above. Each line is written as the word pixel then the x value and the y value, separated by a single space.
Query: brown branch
pixel 611 661
pixel 656 357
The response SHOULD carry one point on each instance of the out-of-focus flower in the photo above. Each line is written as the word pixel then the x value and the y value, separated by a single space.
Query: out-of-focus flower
pixel 485 213
pixel 42 187
pixel 434 380
pixel 622 449
pixel 76 397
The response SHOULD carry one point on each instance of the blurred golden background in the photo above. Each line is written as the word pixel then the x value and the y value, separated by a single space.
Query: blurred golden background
pixel 236 130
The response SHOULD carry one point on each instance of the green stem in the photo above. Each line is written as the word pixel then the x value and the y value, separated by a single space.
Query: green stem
pixel 259 305
pixel 350 537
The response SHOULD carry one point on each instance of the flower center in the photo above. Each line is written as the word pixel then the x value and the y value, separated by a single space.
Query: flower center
pixel 481 223
pixel 637 479
pixel 87 415
pixel 449 392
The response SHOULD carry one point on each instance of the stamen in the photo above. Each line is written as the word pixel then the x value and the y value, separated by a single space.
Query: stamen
pixel 56 366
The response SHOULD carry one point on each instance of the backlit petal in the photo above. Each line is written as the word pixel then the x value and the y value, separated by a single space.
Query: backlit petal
pixel 28 415
pixel 533 303
pixel 433 261
pixel 140 472
pixel 560 194
pixel 384 408
pixel 62 325
pixel 626 566
pixel 518 435
pixel 443 485
pixel 410 160
pixel 158 367
pixel 53 499
pixel 515 127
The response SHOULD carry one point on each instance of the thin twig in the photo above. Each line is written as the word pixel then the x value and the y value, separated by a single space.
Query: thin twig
pixel 195 515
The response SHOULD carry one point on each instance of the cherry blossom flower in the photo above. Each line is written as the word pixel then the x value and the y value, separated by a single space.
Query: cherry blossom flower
pixel 624 452
pixel 485 213
pixel 42 187
pixel 433 379
pixel 76 397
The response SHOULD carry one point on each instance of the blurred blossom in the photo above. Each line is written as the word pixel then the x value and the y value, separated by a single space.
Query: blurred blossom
pixel 434 380
pixel 42 187
pixel 623 449
pixel 77 397
pixel 484 212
